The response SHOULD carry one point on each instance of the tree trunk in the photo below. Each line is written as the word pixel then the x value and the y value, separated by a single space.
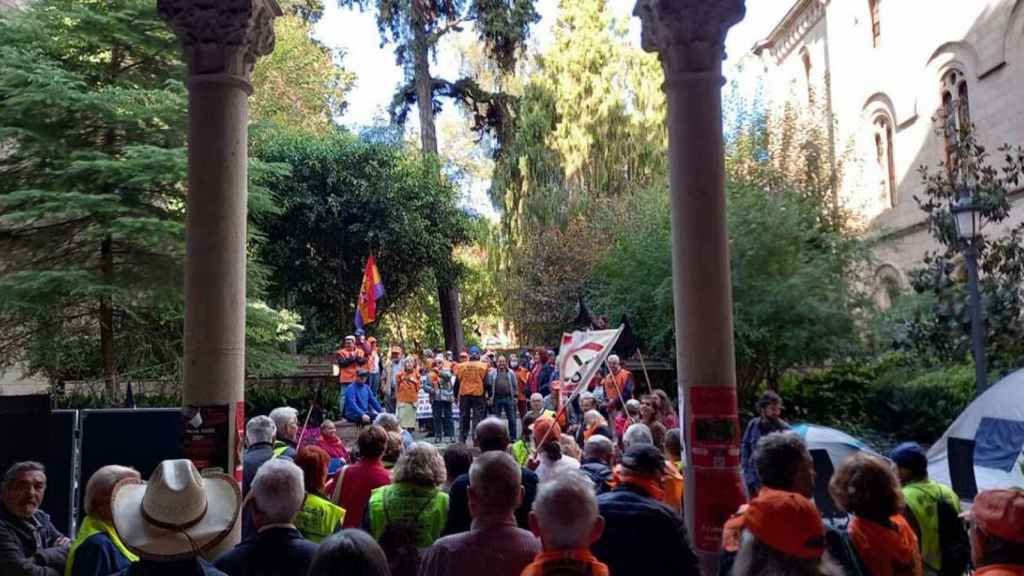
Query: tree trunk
pixel 107 321
pixel 447 296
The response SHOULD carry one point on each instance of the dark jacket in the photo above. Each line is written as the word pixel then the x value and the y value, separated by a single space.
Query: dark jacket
pixel 254 457
pixel 599 473
pixel 98 556
pixel 636 522
pixel 274 552
pixel 189 567
pixel 30 548
pixel 459 519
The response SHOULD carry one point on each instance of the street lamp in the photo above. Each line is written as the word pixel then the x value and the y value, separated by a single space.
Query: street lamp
pixel 967 218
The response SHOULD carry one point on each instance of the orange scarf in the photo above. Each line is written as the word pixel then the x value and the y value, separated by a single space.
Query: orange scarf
pixel 578 561
pixel 887 550
pixel 649 485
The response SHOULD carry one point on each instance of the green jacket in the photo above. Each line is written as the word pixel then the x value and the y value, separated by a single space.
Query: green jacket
pixel 428 506
pixel 318 518
pixel 922 501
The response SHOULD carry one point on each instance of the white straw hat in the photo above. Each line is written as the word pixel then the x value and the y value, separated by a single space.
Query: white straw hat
pixel 177 514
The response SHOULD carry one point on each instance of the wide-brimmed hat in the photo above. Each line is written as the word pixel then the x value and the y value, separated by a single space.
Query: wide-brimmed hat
pixel 177 514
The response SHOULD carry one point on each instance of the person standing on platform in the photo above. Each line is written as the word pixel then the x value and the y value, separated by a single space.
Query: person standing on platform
pixel 350 359
pixel 407 394
pixel 617 387
pixel 373 366
pixel 502 390
pixel 391 370
pixel 440 384
pixel 472 406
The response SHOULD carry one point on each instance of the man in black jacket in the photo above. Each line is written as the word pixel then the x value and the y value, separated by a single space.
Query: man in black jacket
pixel 277 548
pixel 642 535
pixel 598 452
pixel 492 434
pixel 29 543
pixel 260 432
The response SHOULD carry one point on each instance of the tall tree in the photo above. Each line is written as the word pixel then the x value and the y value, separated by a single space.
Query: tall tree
pixel 93 193
pixel 415 27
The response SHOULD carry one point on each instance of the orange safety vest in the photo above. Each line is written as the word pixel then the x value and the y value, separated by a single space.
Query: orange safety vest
pixel 615 384
pixel 471 377
pixel 348 373
pixel 408 387
pixel 523 377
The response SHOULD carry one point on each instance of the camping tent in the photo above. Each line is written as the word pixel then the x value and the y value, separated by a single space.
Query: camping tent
pixel 989 434
pixel 837 443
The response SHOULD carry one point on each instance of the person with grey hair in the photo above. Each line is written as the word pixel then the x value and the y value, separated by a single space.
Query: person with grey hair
pixel 598 454
pixel 278 548
pixel 409 513
pixel 637 434
pixel 389 422
pixel 565 518
pixel 624 420
pixel 637 519
pixel 494 543
pixel 29 543
pixel 260 432
pixel 97 550
pixel 286 419
pixel 672 480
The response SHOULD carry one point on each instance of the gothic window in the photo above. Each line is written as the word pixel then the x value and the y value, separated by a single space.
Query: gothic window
pixel 956 112
pixel 876 23
pixel 884 157
pixel 806 58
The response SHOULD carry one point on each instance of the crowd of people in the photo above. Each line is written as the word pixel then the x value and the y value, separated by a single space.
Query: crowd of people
pixel 522 499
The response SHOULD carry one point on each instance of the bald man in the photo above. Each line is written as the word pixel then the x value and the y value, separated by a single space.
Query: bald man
pixel 492 434
pixel 494 544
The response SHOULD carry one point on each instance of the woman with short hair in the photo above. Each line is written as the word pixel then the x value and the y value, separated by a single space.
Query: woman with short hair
pixel 352 553
pixel 866 487
pixel 410 513
pixel 319 517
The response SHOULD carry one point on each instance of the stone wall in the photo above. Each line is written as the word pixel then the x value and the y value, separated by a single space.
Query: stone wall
pixel 899 82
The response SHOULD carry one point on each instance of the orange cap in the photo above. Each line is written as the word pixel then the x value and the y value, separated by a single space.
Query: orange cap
pixel 1000 513
pixel 540 429
pixel 786 521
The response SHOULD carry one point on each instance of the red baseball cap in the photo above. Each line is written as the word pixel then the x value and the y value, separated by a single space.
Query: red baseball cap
pixel 786 521
pixel 1000 513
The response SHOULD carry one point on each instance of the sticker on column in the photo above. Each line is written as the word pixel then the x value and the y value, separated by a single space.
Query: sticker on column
pixel 719 496
pixel 205 440
pixel 239 438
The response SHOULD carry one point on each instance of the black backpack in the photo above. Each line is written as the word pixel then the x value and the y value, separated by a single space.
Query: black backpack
pixel 953 541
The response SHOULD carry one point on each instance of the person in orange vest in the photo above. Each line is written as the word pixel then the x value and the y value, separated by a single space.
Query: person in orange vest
pixel 472 405
pixel 617 386
pixel 407 394
pixel 522 379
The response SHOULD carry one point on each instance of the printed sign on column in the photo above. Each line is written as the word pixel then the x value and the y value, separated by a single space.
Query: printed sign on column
pixel 720 494
pixel 714 439
pixel 205 441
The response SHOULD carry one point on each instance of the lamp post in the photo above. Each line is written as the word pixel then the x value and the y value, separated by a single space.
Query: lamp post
pixel 967 217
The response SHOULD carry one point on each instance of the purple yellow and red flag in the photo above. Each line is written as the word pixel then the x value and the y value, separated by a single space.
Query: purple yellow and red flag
pixel 371 291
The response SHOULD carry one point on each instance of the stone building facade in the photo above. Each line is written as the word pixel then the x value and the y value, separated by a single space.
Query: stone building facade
pixel 892 72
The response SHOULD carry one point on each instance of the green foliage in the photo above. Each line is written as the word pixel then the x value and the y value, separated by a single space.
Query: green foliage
pixel 92 191
pixel 299 85
pixel 939 332
pixel 891 399
pixel 344 199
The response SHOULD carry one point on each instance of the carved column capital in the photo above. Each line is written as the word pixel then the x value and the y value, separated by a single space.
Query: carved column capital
pixel 222 36
pixel 689 35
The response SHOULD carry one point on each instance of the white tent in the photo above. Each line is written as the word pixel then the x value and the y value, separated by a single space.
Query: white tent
pixel 837 443
pixel 994 423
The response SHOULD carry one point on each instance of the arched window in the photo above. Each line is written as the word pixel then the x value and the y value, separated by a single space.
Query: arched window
pixel 956 112
pixel 884 157
pixel 876 22
pixel 887 286
pixel 805 56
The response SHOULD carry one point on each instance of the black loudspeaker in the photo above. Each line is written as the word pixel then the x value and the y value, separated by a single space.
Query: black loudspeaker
pixel 30 431
pixel 960 454
pixel 140 438
pixel 823 470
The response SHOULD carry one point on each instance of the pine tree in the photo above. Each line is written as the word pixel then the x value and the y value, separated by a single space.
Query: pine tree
pixel 91 195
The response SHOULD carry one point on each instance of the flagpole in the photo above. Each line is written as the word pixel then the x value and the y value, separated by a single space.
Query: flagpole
pixel 643 365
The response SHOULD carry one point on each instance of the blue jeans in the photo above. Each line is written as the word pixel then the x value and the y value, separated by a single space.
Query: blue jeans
pixel 374 381
pixel 506 408
pixel 443 423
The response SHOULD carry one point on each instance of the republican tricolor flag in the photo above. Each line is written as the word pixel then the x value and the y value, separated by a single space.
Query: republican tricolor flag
pixel 371 291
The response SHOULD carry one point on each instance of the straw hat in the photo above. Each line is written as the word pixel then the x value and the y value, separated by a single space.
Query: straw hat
pixel 179 513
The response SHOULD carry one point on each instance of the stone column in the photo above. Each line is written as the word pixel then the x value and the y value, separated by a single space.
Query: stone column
pixel 222 40
pixel 689 36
